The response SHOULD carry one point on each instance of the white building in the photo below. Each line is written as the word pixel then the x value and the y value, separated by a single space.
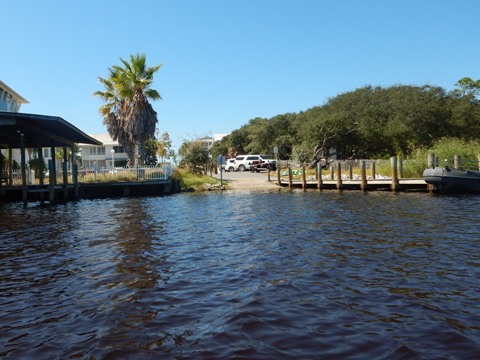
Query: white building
pixel 109 155
pixel 209 140
pixel 95 156
pixel 9 99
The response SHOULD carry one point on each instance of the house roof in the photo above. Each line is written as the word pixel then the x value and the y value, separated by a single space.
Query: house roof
pixel 39 131
pixel 17 96
pixel 106 139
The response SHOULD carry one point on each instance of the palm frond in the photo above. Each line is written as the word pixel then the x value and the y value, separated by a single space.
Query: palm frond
pixel 153 94
pixel 127 113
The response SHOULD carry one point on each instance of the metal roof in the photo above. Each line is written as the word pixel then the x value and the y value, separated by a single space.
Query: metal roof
pixel 39 131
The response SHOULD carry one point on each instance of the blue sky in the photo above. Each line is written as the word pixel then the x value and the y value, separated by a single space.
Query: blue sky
pixel 227 61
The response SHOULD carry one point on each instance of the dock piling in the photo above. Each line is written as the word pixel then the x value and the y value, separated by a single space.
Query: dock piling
pixel 319 177
pixel 363 174
pixel 395 184
pixel 339 175
pixel 289 177
pixel 304 178
pixel 457 162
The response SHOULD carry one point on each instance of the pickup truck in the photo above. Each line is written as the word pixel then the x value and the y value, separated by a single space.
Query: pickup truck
pixel 244 162
pixel 264 165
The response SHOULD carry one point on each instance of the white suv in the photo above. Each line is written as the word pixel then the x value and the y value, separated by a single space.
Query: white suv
pixel 243 162
pixel 229 165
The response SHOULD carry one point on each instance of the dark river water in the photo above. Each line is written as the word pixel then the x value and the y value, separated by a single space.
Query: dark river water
pixel 244 275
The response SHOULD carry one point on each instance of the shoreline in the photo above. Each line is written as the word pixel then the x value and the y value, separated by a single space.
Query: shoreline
pixel 247 180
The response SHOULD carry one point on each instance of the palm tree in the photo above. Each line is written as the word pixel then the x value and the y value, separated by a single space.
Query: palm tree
pixel 127 113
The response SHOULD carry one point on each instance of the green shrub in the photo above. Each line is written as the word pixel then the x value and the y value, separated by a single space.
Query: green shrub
pixel 193 181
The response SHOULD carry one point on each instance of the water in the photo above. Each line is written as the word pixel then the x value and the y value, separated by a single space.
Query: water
pixel 242 275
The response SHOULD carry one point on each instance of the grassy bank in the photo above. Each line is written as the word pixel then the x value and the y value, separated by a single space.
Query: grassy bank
pixel 195 182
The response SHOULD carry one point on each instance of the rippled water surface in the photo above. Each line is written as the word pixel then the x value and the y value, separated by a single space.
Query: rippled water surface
pixel 242 275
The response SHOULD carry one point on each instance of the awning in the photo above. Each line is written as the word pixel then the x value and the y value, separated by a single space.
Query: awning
pixel 39 131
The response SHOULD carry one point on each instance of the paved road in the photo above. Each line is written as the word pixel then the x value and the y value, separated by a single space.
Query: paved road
pixel 248 180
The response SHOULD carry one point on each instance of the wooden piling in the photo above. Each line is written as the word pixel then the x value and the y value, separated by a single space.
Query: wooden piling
pixel 65 174
pixel 75 181
pixel 1 170
pixel 395 184
pixel 53 170
pixel 41 166
pixel 51 182
pixel 74 174
pixel 319 177
pixel 457 162
pixel 24 170
pixel 289 177
pixel 304 179
pixel 279 179
pixel 374 170
pixel 339 175
pixel 363 181
pixel 431 161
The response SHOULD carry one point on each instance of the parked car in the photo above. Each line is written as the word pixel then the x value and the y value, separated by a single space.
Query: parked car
pixel 243 162
pixel 264 165
pixel 229 165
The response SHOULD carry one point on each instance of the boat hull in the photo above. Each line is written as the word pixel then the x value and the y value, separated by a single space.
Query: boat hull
pixel 452 180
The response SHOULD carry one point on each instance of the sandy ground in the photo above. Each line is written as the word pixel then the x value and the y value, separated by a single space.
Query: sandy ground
pixel 247 180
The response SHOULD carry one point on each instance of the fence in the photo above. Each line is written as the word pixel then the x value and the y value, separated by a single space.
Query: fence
pixel 140 173
pixel 119 174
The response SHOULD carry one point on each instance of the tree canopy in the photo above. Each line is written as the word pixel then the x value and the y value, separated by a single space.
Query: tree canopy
pixel 369 122
pixel 127 112
pixel 195 155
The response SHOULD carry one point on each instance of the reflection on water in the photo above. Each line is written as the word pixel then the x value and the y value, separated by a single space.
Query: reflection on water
pixel 242 275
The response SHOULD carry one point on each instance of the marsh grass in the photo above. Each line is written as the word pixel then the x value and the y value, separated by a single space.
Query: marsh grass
pixel 191 181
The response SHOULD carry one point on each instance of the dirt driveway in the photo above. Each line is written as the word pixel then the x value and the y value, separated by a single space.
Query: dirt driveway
pixel 247 180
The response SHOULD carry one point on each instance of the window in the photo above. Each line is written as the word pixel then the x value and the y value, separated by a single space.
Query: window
pixel 96 150
pixel 118 149
pixel 46 153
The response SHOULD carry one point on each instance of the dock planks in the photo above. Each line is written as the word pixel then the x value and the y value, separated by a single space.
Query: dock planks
pixel 371 185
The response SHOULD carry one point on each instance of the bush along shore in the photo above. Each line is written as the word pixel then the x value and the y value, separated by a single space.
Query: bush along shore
pixel 190 181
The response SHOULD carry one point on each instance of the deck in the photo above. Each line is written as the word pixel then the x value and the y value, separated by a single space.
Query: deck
pixel 371 185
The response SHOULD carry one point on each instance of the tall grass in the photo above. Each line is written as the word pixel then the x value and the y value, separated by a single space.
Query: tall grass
pixel 445 150
pixel 191 181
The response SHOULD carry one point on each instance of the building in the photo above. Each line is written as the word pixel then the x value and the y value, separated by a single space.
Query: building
pixel 23 134
pixel 109 155
pixel 209 140
pixel 96 156
pixel 9 100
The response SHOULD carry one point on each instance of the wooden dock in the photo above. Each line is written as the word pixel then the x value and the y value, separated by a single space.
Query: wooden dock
pixel 418 185
pixel 337 181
